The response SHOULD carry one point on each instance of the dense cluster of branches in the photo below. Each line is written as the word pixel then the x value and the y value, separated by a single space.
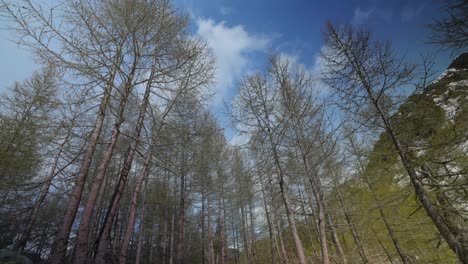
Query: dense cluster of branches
pixel 109 155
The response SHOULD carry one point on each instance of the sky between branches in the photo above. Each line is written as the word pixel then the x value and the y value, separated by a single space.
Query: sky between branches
pixel 241 33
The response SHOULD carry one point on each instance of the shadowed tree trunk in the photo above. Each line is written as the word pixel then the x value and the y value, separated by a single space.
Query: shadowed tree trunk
pixel 133 208
pixel 82 250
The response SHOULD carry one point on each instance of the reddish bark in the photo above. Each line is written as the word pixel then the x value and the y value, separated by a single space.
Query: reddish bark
pixel 61 240
pixel 133 209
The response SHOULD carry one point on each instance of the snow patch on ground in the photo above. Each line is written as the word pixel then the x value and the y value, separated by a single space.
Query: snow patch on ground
pixel 447 73
pixel 451 108
pixel 452 105
pixel 459 83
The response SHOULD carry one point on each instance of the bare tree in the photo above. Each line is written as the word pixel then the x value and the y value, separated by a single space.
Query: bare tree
pixel 255 109
pixel 367 73
pixel 450 30
pixel 301 106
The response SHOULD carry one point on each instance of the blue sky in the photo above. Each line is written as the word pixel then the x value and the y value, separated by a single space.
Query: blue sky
pixel 242 32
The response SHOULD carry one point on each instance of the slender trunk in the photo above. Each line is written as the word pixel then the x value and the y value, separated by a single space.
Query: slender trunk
pixel 24 237
pixel 203 223
pixel 228 253
pixel 458 248
pixel 133 208
pixel 396 242
pixel 306 220
pixel 382 245
pixel 82 246
pixel 252 232
pixel 142 225
pixel 315 185
pixel 43 240
pixel 211 255
pixel 181 221
pixel 456 245
pixel 171 244
pixel 284 253
pixel 164 218
pixel 401 252
pixel 234 234
pixel 245 244
pixel 61 240
pixel 98 217
pixel 222 235
pixel 354 232
pixel 164 240
pixel 336 241
pixel 270 229
pixel 118 192
pixel 313 177
pixel 287 205
pixel 281 249
pixel 152 238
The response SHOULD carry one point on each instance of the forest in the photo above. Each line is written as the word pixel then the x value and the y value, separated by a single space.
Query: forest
pixel 110 153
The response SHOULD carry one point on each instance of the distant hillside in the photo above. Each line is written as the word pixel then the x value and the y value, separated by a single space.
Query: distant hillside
pixel 433 126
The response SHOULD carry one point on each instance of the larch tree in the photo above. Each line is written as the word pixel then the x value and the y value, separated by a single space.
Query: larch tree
pixel 367 73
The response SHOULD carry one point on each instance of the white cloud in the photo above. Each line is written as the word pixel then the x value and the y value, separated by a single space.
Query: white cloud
pixel 361 16
pixel 231 47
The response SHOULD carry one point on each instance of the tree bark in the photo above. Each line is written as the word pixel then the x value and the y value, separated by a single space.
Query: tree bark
pixel 286 202
pixel 61 240
pixel 181 222
pixel 81 254
pixel 211 254
pixel 336 241
pixel 141 227
pixel 133 208
pixel 267 214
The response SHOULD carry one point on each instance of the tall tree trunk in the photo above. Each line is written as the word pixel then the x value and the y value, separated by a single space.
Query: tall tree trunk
pixel 306 220
pixel 81 253
pixel 172 238
pixel 59 250
pixel 401 252
pixel 181 222
pixel 252 232
pixel 164 218
pixel 211 254
pixel 133 208
pixel 203 222
pixel 24 237
pixel 281 249
pixel 335 239
pixel 456 245
pixel 382 245
pixel 284 252
pixel 287 204
pixel 234 233
pixel 316 190
pixel 142 226
pixel 103 240
pixel 354 232
pixel 270 228
pixel 244 231
pixel 222 235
